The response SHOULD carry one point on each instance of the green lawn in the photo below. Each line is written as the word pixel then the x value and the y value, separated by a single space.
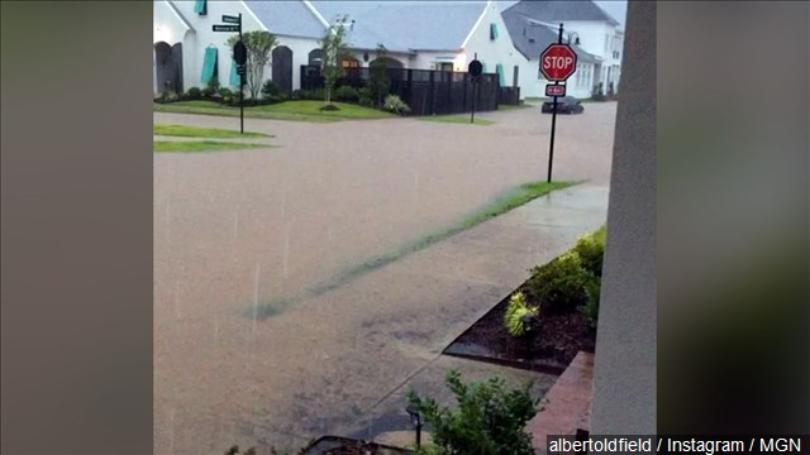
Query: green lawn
pixel 202 146
pixel 462 119
pixel 303 110
pixel 161 129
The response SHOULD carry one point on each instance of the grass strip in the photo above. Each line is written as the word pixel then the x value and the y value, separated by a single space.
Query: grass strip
pixel 460 119
pixel 161 129
pixel 300 110
pixel 500 205
pixel 202 146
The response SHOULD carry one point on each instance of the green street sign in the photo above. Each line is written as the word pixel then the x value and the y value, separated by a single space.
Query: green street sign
pixel 226 28
pixel 230 19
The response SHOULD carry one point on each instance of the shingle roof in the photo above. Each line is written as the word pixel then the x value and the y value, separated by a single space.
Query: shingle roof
pixel 531 38
pixel 402 26
pixel 405 25
pixel 555 10
pixel 290 18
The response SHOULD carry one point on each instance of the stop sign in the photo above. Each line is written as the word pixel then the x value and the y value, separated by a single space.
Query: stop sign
pixel 558 62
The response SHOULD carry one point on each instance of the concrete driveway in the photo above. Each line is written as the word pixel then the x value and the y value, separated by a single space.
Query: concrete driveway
pixel 236 232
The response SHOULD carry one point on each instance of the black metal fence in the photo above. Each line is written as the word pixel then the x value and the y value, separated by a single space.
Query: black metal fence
pixel 427 92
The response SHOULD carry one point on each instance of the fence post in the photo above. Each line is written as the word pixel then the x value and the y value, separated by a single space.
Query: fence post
pixel 466 87
pixel 432 93
pixel 409 86
pixel 450 81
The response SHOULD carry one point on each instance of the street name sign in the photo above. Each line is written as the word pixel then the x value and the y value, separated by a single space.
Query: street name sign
pixel 558 62
pixel 226 28
pixel 230 19
pixel 555 90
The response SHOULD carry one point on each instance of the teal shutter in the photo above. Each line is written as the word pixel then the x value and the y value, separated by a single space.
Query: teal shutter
pixel 201 7
pixel 234 78
pixel 501 75
pixel 493 31
pixel 209 68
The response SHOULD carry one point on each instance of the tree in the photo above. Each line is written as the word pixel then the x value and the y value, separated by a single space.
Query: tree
pixel 378 75
pixel 259 45
pixel 333 48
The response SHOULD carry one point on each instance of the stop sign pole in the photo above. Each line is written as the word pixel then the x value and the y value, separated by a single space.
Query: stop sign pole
pixel 557 63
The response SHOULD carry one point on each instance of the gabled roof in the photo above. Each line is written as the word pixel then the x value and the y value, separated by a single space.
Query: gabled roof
pixel 556 10
pixel 291 18
pixel 531 37
pixel 403 26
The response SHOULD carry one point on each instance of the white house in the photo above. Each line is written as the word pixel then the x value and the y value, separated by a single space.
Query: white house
pixel 441 35
pixel 594 34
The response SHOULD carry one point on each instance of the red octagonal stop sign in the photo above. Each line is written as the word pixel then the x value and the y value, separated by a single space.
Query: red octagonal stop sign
pixel 558 62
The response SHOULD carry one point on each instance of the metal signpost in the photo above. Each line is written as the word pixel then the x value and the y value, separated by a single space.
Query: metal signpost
pixel 475 68
pixel 557 63
pixel 240 57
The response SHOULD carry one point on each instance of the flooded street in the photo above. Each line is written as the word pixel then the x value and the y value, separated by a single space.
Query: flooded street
pixel 268 330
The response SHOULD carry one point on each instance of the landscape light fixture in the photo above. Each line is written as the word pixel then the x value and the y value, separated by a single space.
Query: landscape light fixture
pixel 416 421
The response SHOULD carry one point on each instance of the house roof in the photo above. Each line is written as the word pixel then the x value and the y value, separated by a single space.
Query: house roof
pixel 556 10
pixel 291 18
pixel 531 37
pixel 403 26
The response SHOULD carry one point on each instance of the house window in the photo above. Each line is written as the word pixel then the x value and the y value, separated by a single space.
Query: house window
pixel 209 69
pixel 201 7
pixel 493 31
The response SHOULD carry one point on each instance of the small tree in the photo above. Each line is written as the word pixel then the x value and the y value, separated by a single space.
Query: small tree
pixel 334 48
pixel 378 75
pixel 259 45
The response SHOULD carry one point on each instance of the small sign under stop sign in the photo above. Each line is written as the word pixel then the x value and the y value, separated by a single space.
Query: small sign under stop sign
pixel 555 90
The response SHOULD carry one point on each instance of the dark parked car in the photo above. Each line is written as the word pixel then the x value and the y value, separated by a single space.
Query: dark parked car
pixel 565 105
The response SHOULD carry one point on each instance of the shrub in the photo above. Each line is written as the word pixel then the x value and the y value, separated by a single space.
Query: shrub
pixel 346 93
pixel 212 88
pixel 591 251
pixel 168 97
pixel 365 97
pixel 519 316
pixel 396 105
pixel 489 419
pixel 271 90
pixel 194 93
pixel 591 308
pixel 225 92
pixel 560 284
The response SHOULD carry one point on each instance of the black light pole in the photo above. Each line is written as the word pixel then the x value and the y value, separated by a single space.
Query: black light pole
pixel 241 88
pixel 553 117
pixel 416 421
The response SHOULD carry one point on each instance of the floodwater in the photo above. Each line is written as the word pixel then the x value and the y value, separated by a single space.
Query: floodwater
pixel 253 250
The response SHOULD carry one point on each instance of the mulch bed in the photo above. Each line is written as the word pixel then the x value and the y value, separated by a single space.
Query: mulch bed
pixel 550 350
pixel 335 445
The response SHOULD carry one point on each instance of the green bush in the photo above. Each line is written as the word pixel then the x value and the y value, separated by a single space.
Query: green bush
pixel 346 93
pixel 365 97
pixel 394 104
pixel 194 93
pixel 591 251
pixel 489 419
pixel 517 313
pixel 225 92
pixel 560 284
pixel 271 90
pixel 591 308
pixel 212 88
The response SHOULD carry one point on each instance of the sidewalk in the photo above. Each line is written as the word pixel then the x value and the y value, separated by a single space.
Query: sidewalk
pixel 395 321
